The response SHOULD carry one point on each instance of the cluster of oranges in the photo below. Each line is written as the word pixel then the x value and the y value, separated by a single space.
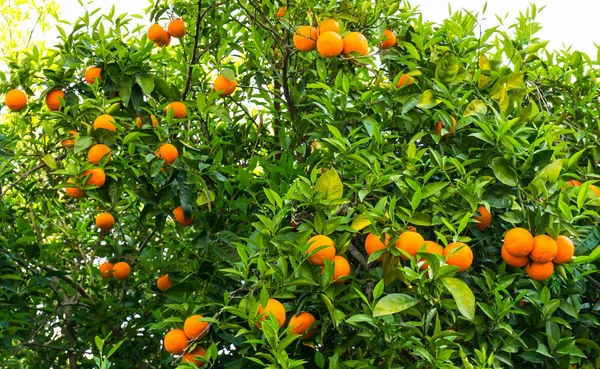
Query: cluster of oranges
pixel 303 324
pixel 162 37
pixel 178 340
pixel 119 271
pixel 325 249
pixel 537 254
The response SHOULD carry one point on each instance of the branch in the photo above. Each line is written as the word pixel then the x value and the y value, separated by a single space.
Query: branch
pixel 26 174
pixel 358 256
pixel 143 245
pixel 188 78
pixel 70 350
pixel 67 278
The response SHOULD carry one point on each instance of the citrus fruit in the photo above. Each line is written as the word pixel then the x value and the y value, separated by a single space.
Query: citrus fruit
pixel 303 324
pixel 139 122
pixel 373 243
pixel 355 42
pixel 179 109
pixel 327 249
pixel 180 217
pixel 330 44
pixel 440 124
pixel 190 357
pixel 518 242
pixel 97 177
pixel 281 12
pixel 544 249
pixel 389 40
pixel 305 38
pixel 176 28
pixel 121 270
pixel 459 254
pixel 540 271
pixel 97 152
pixel 167 152
pixel 69 143
pixel 329 25
pixel 431 248
pixel 513 261
pixel 341 268
pixel 74 191
pixel 53 99
pixel 155 31
pixel 404 80
pixel 410 242
pixel 176 342
pixel 105 221
pixel 565 250
pixel 105 121
pixel 163 283
pixel 92 74
pixel 106 270
pixel 164 39
pixel 484 219
pixel 273 307
pixel 16 100
pixel 224 86
pixel 194 327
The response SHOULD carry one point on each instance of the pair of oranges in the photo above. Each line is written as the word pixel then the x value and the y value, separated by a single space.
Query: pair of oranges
pixel 162 37
pixel 303 323
pixel 327 250
pixel 178 340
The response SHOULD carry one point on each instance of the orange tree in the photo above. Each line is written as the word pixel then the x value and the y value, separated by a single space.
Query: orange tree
pixel 215 191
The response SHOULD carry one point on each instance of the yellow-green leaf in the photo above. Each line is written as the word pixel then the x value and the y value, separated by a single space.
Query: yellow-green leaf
pixel 50 161
pixel 506 83
pixel 360 222
pixel 447 69
pixel 428 100
pixel 330 184
pixel 475 107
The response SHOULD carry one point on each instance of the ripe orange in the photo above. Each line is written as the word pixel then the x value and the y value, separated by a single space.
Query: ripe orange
pixel 97 152
pixel 180 217
pixel 281 12
pixel 176 28
pixel 106 270
pixel 97 177
pixel 405 80
pixel 303 324
pixel 155 31
pixel 373 243
pixel 105 221
pixel 330 44
pixel 276 308
pixel 179 109
pixel 485 219
pixel 139 123
pixel 164 39
pixel 410 242
pixel 167 152
pixel 224 86
pixel 190 357
pixel 327 250
pixel 459 254
pixel 431 248
pixel 121 270
pixel 341 268
pixel 74 191
pixel 68 143
pixel 595 189
pixel 389 40
pixel 355 42
pixel 440 124
pixel 544 249
pixel 574 182
pixel 513 261
pixel 305 38
pixel 163 283
pixel 195 328
pixel 518 242
pixel 565 250
pixel 16 100
pixel 92 74
pixel 329 25
pixel 411 229
pixel 176 342
pixel 53 99
pixel 540 271
pixel 105 121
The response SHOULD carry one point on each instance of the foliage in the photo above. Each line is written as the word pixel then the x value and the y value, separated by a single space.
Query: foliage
pixel 304 146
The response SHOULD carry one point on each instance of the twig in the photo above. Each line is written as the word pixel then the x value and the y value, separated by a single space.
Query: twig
pixel 358 256
pixel 188 78
pixel 143 245
pixel 54 347
pixel 26 174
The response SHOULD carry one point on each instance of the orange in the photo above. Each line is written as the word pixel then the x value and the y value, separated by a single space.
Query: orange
pixel 224 86
pixel 167 152
pixel 194 327
pixel 431 248
pixel 330 44
pixel 303 324
pixel 106 270
pixel 164 39
pixel 176 28
pixel 92 74
pixel 574 182
pixel 329 25
pixel 544 249
pixel 16 100
pixel 180 217
pixel 179 109
pixel 139 123
pixel 411 229
pixel 163 283
pixel 155 31
pixel 53 99
pixel 281 12
pixel 484 220
pixel 440 124
pixel 373 243
pixel 459 254
pixel 389 40
pixel 327 250
pixel 518 242
pixel 355 42
pixel 176 342
pixel 97 152
pixel 410 242
pixel 74 192
pixel 540 271
pixel 190 357
pixel 405 80
pixel 341 268
pixel 97 177
pixel 565 250
pixel 105 121
pixel 595 189
pixel 305 38
pixel 273 307
pixel 68 143
pixel 105 221
pixel 121 270
pixel 514 261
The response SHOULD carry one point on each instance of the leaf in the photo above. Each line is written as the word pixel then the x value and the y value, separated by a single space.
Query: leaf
pixel 433 188
pixel 462 294
pixel 146 82
pixel 228 73
pixel 447 69
pixel 486 67
pixel 551 171
pixel 330 184
pixel 50 161
pixel 504 172
pixel 506 83
pixel 394 303
pixel 82 143
pixel 428 100
pixel 360 222
pixel 475 107
pixel 125 89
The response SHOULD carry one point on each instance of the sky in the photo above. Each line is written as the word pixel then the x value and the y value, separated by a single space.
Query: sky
pixel 565 23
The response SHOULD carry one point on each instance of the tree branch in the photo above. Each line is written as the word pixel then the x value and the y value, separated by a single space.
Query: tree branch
pixel 358 256
pixel 143 245
pixel 26 174
pixel 54 347
pixel 188 78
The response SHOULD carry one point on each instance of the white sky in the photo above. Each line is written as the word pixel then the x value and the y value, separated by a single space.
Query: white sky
pixel 564 23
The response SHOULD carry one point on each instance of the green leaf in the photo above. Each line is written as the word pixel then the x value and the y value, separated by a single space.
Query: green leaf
pixel 125 89
pixel 433 188
pixel 475 107
pixel 551 171
pixel 394 303
pixel 50 161
pixel 462 294
pixel 146 82
pixel 82 143
pixel 428 100
pixel 504 172
pixel 447 69
pixel 330 184
pixel 506 83
pixel 228 73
